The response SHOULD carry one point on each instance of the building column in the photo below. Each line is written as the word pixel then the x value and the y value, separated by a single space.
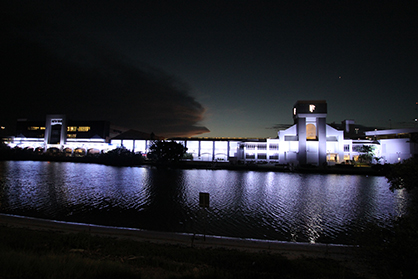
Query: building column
pixel 322 141
pixel 213 151
pixel 301 130
pixel 59 120
pixel 227 150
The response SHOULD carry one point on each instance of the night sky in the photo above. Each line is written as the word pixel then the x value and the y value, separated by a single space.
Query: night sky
pixel 209 68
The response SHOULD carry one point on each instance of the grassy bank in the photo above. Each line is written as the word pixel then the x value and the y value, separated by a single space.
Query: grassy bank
pixel 28 253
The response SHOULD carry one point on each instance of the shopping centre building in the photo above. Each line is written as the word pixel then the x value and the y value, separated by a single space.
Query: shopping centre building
pixel 310 140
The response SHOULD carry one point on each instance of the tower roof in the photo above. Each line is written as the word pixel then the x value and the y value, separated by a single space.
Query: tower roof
pixel 310 108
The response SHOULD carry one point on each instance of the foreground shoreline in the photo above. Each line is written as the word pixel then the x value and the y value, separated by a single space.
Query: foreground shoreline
pixel 291 250
pixel 37 248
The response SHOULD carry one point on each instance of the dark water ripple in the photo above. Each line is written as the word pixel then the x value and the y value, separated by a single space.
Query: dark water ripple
pixel 264 205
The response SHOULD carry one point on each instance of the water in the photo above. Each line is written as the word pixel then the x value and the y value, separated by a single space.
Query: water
pixel 248 204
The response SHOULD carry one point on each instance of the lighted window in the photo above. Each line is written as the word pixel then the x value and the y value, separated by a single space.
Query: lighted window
pixel 71 129
pixel 83 129
pixel 33 128
pixel 357 148
pixel 71 135
pixel 56 121
pixel 310 132
pixel 249 156
pixel 262 156
pixel 41 128
pixel 332 157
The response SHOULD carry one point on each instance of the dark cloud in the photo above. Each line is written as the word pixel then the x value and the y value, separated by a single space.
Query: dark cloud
pixel 83 58
pixel 277 127
pixel 53 69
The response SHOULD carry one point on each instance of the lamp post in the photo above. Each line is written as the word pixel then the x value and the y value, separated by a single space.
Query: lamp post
pixel 204 204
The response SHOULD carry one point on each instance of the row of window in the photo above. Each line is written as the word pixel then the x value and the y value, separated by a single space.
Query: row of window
pixel 261 146
pixel 79 129
pixel 69 128
pixel 35 128
pixel 356 148
pixel 262 156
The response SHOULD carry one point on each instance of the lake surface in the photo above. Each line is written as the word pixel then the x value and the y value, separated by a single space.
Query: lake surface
pixel 248 204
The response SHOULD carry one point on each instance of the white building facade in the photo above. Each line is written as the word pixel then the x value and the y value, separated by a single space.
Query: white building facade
pixel 309 141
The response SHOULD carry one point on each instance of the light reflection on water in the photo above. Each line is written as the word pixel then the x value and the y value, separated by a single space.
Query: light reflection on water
pixel 263 205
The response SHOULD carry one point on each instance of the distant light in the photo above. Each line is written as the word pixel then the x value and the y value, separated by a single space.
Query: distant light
pixel 339 77
pixel 2 127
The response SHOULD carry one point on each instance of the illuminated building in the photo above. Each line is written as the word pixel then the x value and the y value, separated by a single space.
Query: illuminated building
pixel 309 141
pixel 58 133
pixel 395 144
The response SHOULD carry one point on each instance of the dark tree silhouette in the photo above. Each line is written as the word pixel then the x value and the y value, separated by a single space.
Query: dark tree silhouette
pixel 403 175
pixel 366 154
pixel 392 251
pixel 166 151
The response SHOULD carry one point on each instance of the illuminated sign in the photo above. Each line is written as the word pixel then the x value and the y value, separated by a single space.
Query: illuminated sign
pixel 83 128
pixel 80 129
pixel 311 108
pixel 34 128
